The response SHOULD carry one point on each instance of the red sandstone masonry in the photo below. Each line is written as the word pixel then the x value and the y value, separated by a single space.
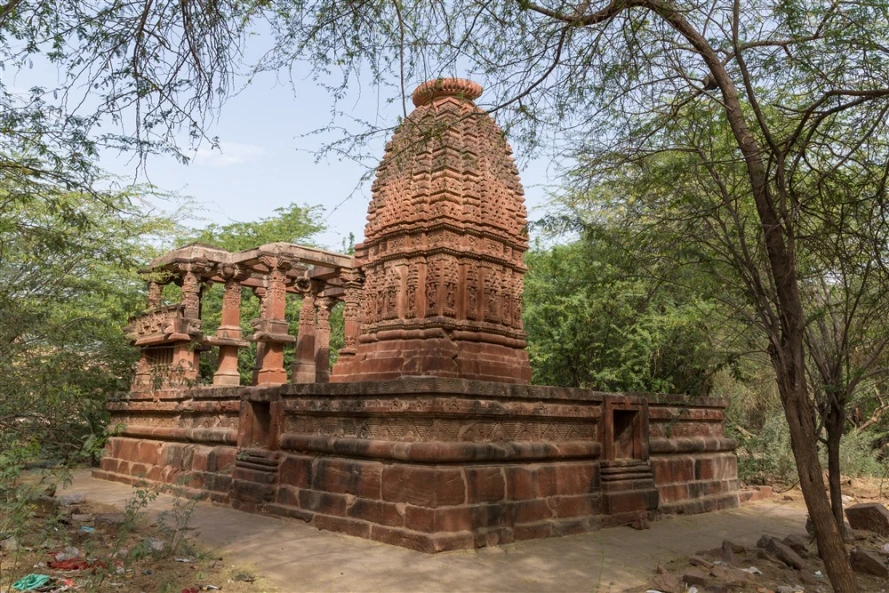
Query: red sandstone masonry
pixel 491 490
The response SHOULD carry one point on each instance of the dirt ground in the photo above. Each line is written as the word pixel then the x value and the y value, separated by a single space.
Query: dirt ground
pixel 90 546
pixel 298 558
pixel 764 572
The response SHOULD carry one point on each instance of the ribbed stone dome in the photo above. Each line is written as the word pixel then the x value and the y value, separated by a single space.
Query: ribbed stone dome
pixel 442 256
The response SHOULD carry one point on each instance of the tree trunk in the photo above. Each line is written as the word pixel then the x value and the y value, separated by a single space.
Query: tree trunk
pixel 800 419
pixel 833 424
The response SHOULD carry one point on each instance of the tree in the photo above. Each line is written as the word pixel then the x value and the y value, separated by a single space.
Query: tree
pixel 842 276
pixel 599 317
pixel 67 286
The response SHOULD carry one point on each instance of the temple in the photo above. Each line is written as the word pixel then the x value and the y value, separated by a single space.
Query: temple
pixel 425 433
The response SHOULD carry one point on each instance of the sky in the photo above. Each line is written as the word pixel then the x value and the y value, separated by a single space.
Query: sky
pixel 266 156
pixel 266 160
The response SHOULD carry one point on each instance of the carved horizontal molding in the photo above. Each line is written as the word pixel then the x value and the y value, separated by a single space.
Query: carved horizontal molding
pixel 227 436
pixel 676 414
pixel 472 331
pixel 425 429
pixel 440 452
pixel 162 420
pixel 690 445
pixel 183 407
pixel 442 407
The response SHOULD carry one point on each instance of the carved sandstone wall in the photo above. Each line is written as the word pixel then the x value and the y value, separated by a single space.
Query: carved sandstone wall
pixel 431 464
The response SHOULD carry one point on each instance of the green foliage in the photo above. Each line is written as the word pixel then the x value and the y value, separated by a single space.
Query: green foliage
pixel 857 455
pixel 68 283
pixel 765 456
pixel 595 320
pixel 290 224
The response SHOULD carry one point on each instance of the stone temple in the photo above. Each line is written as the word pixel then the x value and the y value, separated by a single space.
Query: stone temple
pixel 425 433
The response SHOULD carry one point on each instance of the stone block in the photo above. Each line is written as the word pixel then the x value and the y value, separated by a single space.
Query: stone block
pixel 376 511
pixel 673 492
pixel 420 519
pixel 423 486
pixel 360 478
pixel 672 470
pixel 532 531
pixel 287 495
pixel 782 551
pixel 869 516
pixel 485 484
pixel 868 563
pixel 323 502
pixel 341 525
pixel 576 478
pixel 200 459
pixel 525 482
pixel 147 452
pixel 224 459
pixel 455 519
pixel 128 449
pixel 716 467
pixel 428 543
pixel 494 515
pixel 532 511
pixel 296 470
pixel 575 506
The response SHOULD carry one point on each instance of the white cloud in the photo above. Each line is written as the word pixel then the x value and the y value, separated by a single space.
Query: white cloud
pixel 227 154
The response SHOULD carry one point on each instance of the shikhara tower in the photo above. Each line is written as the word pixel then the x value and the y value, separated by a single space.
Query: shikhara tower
pixel 442 256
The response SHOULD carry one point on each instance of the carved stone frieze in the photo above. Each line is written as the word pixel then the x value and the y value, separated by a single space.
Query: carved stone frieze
pixel 426 429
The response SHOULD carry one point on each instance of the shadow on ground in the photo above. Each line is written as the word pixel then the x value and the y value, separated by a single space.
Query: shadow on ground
pixel 296 557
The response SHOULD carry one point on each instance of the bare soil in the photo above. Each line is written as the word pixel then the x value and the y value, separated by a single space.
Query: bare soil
pixel 775 573
pixel 90 546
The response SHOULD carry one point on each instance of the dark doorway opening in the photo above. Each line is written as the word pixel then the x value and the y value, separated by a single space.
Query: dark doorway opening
pixel 624 434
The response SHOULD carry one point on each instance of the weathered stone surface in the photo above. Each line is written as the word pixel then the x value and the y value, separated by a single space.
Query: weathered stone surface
pixel 666 582
pixel 798 544
pixel 698 561
pixel 694 576
pixel 782 551
pixel 869 516
pixel 867 562
pixel 729 575
pixel 429 436
pixel 807 578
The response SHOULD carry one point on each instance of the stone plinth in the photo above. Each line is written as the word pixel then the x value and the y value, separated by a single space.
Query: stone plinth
pixel 442 256
pixel 431 464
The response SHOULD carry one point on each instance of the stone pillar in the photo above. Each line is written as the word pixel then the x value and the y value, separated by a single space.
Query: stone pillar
pixel 186 357
pixel 272 328
pixel 260 293
pixel 352 311
pixel 304 358
pixel 155 294
pixel 322 339
pixel 228 334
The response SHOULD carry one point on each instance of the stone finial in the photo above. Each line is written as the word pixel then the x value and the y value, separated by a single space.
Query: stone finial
pixel 446 87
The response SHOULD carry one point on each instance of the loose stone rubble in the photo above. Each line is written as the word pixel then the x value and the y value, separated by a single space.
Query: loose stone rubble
pixel 791 565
